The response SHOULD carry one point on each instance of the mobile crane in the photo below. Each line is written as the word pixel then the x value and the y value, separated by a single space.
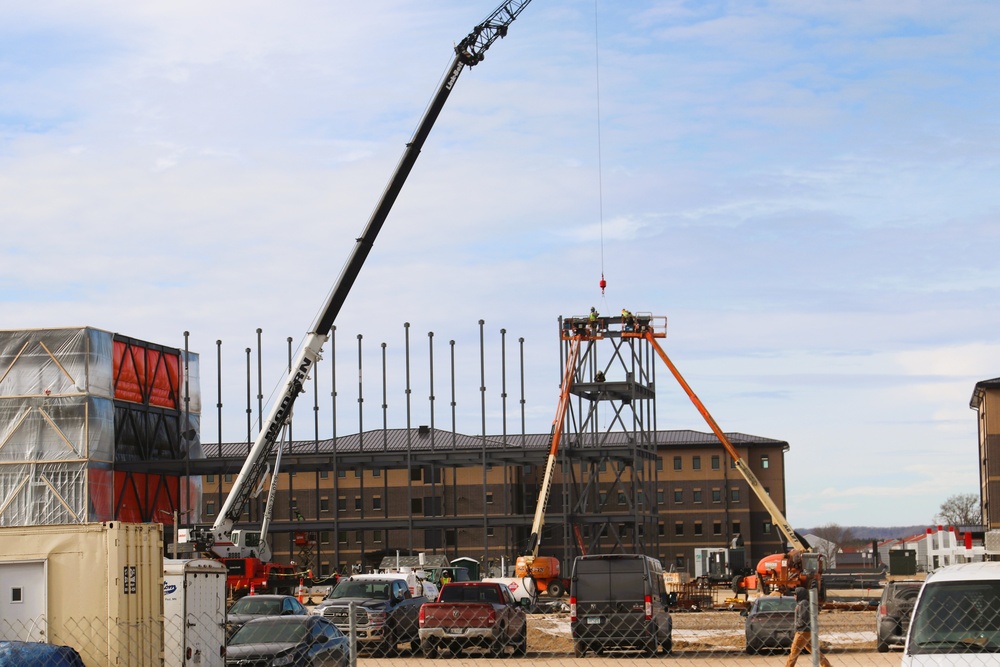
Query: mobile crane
pixel 249 550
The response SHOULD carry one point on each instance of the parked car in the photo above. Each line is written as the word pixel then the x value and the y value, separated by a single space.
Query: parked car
pixel 255 606
pixel 956 620
pixel 892 618
pixel 769 623
pixel 292 641
pixel 385 609
pixel 619 601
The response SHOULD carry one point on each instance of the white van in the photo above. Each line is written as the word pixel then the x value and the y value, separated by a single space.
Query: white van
pixel 956 620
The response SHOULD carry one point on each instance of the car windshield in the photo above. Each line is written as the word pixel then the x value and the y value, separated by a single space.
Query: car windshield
pixel 288 630
pixel 256 606
pixel 775 604
pixel 470 594
pixel 957 617
pixel 373 590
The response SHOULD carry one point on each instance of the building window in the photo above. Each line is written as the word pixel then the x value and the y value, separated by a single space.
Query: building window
pixel 679 529
pixel 324 474
pixel 210 479
pixel 489 497
pixel 417 506
pixel 376 502
pixel 489 531
pixel 697 495
pixel 716 495
pixel 717 528
pixel 696 462
pixel 228 478
pixel 377 472
pixel 659 496
pixel 341 473
pixel 764 461
pixel 527 468
pixel 324 504
pixel 341 503
pixel 678 496
pixel 376 536
pixel 734 495
pixel 603 498
pixel 621 498
pixel 324 537
pixel 416 475
pixel 679 562
pixel 736 527
pixel 659 464
pixel 357 473
pixel 715 461
pixel 357 503
pixel 767 527
pixel 603 467
pixel 342 537
pixel 677 463
pixel 210 508
pixel 359 536
pixel 697 528
pixel 661 529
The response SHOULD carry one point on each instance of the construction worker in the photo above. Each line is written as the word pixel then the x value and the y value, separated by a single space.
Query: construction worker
pixel 593 319
pixel 445 577
pixel 628 320
pixel 803 629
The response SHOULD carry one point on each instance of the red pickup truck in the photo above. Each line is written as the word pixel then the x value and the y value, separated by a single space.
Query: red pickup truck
pixel 473 614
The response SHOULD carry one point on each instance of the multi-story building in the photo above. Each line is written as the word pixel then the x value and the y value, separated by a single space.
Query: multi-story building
pixel 986 401
pixel 349 502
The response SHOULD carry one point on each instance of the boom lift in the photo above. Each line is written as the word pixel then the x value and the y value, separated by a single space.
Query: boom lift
pixel 246 549
pixel 782 572
pixel 545 569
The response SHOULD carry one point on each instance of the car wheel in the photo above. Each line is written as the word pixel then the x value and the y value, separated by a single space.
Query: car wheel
pixel 882 646
pixel 498 645
pixel 579 649
pixel 753 648
pixel 650 648
pixel 668 644
pixel 555 589
pixel 521 646
pixel 429 649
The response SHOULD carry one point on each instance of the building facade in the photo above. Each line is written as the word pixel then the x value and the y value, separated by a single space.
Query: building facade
pixel 346 504
pixel 986 401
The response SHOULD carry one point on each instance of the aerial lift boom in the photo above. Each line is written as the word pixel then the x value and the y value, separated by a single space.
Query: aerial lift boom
pixel 468 53
pixel 777 518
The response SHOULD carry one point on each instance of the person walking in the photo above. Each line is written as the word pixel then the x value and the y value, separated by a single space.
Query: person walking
pixel 803 629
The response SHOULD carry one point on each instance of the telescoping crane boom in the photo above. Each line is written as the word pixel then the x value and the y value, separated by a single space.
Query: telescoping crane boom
pixel 468 53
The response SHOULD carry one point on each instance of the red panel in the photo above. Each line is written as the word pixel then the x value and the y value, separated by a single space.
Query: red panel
pixel 146 375
pixel 101 494
pixel 140 497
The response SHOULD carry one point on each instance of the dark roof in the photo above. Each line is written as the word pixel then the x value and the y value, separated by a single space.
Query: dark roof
pixel 428 440
pixel 980 391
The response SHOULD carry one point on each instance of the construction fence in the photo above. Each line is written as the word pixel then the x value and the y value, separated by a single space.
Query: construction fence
pixel 847 636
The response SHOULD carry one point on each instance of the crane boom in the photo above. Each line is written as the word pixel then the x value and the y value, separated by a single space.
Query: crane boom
pixel 777 518
pixel 469 52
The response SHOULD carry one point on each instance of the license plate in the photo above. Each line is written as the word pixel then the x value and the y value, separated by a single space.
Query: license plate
pixel 593 620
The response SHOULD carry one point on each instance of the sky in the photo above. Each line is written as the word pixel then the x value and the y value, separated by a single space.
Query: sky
pixel 806 190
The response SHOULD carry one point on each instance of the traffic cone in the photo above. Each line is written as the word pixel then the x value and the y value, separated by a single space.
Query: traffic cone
pixel 251 588
pixel 302 591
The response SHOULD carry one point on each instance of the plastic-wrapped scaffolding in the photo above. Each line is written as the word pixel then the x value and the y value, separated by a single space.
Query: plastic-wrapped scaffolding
pixel 75 401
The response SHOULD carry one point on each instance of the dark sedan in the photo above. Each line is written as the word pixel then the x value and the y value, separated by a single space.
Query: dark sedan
pixel 770 623
pixel 295 641
pixel 255 606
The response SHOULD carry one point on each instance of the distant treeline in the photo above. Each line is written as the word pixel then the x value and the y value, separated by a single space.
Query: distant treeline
pixel 869 533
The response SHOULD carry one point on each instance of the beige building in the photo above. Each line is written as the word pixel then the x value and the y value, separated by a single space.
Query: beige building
pixel 986 401
pixel 351 501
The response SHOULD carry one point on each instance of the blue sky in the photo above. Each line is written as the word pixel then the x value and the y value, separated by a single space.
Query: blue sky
pixel 807 190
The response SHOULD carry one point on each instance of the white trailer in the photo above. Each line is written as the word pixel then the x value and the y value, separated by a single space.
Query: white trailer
pixel 194 613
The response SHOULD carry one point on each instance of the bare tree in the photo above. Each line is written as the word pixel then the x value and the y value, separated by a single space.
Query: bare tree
pixel 835 536
pixel 961 509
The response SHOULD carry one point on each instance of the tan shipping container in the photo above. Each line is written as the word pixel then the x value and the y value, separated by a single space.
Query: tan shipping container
pixel 97 587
